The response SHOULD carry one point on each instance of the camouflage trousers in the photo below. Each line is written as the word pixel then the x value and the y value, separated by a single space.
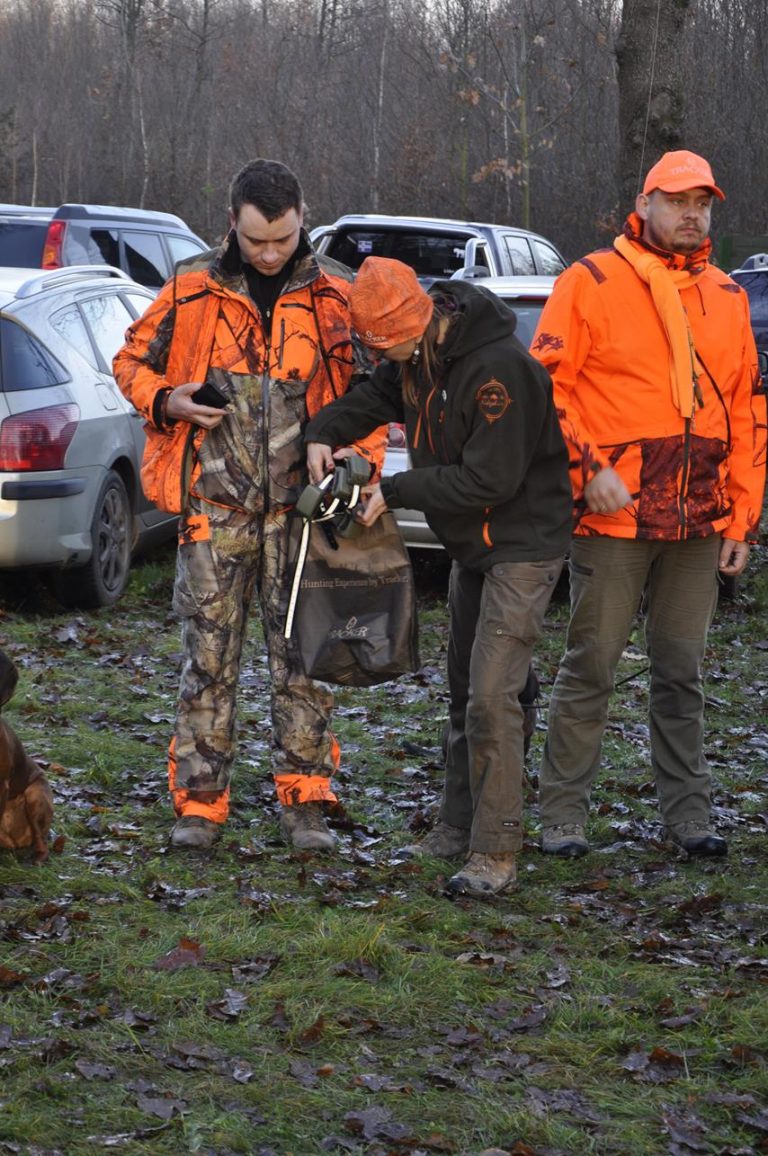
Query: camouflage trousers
pixel 226 557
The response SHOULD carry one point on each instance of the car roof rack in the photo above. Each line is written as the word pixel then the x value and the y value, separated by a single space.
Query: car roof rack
pixel 49 278
pixel 75 211
pixel 388 220
pixel 756 261
pixel 7 210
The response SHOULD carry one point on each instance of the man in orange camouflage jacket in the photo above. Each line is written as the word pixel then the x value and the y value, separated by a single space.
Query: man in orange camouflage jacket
pixel 655 380
pixel 241 347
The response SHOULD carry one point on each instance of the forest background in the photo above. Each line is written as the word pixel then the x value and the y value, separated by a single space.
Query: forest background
pixel 540 113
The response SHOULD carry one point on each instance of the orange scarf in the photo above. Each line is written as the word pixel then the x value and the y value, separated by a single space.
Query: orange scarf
pixel 665 285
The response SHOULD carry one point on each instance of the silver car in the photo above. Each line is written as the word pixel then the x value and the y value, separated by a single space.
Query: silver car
pixel 526 295
pixel 143 243
pixel 70 443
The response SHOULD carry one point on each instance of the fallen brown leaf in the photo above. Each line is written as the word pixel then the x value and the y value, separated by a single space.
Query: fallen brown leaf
pixel 186 953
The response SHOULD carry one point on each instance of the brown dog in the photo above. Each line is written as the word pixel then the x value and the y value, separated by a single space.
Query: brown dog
pixel 26 802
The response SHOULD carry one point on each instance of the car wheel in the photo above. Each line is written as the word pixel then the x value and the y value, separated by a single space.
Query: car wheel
pixel 102 580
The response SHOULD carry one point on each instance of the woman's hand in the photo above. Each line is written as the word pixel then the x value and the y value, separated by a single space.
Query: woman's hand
pixel 320 461
pixel 372 507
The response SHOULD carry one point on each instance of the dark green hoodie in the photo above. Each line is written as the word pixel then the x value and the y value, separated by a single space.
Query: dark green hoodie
pixel 490 468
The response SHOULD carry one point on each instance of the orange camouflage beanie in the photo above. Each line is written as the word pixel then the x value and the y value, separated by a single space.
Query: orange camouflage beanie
pixel 387 304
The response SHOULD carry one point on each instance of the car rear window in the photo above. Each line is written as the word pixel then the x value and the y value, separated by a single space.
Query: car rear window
pixel 430 254
pixel 144 258
pixel 181 247
pixel 21 243
pixel 519 255
pixel 549 260
pixel 756 285
pixel 528 311
pixel 25 363
pixel 95 327
pixel 107 317
pixel 86 246
pixel 69 324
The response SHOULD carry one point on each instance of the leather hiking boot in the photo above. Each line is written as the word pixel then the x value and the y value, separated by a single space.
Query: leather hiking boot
pixel 565 839
pixel 483 875
pixel 195 832
pixel 697 839
pixel 442 842
pixel 305 828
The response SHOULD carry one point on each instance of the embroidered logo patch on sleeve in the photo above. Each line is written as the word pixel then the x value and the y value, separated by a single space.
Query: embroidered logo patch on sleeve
pixel 547 341
pixel 492 400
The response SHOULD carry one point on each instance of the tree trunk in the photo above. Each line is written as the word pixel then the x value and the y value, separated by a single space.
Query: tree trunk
pixel 378 121
pixel 651 52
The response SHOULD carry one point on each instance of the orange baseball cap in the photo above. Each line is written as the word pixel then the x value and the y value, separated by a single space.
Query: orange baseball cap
pixel 387 304
pixel 678 171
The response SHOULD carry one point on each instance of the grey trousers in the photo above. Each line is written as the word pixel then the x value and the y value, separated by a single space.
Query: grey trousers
pixel 495 619
pixel 609 576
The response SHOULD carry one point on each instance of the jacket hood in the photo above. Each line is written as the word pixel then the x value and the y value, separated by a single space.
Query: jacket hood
pixel 480 317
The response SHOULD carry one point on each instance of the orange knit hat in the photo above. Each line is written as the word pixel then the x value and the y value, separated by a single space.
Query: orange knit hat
pixel 387 304
pixel 679 171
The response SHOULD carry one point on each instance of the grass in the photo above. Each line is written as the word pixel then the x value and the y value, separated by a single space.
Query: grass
pixel 258 1001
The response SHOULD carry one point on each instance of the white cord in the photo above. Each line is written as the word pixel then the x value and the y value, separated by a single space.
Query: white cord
pixel 300 560
pixel 304 547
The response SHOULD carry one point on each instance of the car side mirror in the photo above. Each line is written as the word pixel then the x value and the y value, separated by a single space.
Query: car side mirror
pixel 470 273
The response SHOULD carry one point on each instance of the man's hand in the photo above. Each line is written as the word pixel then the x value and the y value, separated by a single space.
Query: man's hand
pixel 733 556
pixel 181 407
pixel 606 492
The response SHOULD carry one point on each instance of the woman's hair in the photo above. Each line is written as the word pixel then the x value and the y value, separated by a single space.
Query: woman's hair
pixel 429 365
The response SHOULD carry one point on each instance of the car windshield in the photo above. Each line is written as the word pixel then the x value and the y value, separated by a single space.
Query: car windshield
pixel 432 255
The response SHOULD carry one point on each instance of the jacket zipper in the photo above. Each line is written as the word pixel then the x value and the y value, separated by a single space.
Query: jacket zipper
pixel 185 473
pixel 267 328
pixel 487 526
pixel 442 424
pixel 427 404
pixel 281 346
pixel 684 477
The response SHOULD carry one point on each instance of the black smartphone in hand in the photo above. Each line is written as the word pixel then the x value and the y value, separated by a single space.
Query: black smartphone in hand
pixel 208 394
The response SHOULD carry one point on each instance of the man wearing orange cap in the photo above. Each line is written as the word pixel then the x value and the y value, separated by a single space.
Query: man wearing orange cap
pixel 655 380
pixel 490 472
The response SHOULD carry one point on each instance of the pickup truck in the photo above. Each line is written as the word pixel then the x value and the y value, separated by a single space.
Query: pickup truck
pixel 438 248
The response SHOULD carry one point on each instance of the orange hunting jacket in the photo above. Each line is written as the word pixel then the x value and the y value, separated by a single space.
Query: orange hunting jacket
pixel 203 319
pixel 602 340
